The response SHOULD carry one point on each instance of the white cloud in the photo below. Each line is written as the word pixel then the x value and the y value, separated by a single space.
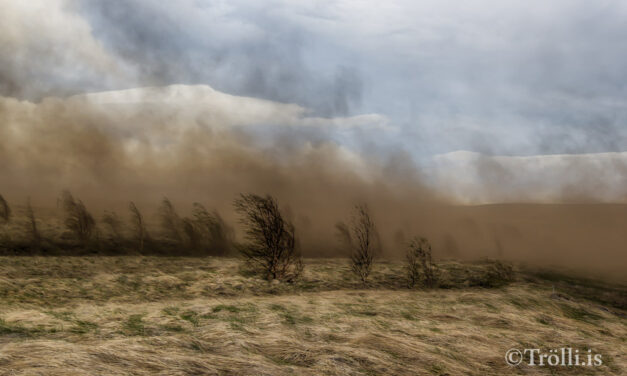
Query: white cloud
pixel 475 178
pixel 203 104
pixel 45 45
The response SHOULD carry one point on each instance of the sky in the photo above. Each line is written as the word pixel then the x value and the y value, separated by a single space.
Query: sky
pixel 535 90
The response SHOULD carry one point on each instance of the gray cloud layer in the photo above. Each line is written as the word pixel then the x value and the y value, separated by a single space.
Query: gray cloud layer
pixel 427 78
pixel 489 76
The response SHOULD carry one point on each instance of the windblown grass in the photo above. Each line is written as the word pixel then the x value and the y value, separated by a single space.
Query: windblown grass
pixel 184 316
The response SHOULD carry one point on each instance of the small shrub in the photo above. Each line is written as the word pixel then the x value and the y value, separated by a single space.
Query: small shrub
pixel 497 274
pixel 270 239
pixel 420 267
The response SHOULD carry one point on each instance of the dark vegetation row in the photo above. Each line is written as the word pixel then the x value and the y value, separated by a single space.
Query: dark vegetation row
pixel 269 246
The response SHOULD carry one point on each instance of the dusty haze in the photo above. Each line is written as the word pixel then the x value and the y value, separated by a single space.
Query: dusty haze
pixel 423 110
pixel 196 144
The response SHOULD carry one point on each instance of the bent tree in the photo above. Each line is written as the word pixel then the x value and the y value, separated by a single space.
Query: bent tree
pixel 362 241
pixel 270 245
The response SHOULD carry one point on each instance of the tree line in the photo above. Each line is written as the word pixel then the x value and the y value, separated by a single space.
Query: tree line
pixel 270 246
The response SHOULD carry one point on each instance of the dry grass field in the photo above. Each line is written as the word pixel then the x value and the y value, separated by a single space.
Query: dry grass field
pixel 207 316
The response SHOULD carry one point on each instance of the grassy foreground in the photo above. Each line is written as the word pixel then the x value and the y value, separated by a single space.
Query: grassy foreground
pixel 206 316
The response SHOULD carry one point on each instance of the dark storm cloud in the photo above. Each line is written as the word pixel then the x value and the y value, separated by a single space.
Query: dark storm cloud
pixel 235 49
pixel 513 78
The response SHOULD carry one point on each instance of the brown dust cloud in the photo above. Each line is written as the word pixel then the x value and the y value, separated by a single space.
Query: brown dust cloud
pixel 196 144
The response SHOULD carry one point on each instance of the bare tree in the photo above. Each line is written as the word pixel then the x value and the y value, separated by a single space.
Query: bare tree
pixel 5 210
pixel 270 239
pixel 138 225
pixel 361 238
pixel 420 267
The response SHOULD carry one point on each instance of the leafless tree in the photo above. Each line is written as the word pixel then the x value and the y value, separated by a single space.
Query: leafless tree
pixel 77 219
pixel 361 238
pixel 138 225
pixel 270 238
pixel 420 267
pixel 5 210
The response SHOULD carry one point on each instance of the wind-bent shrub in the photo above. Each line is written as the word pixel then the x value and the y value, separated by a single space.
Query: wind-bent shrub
pixel 138 226
pixel 497 274
pixel 32 225
pixel 413 267
pixel 362 241
pixel 77 219
pixel 420 267
pixel 193 237
pixel 5 210
pixel 171 223
pixel 270 239
pixel 114 225
pixel 208 232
